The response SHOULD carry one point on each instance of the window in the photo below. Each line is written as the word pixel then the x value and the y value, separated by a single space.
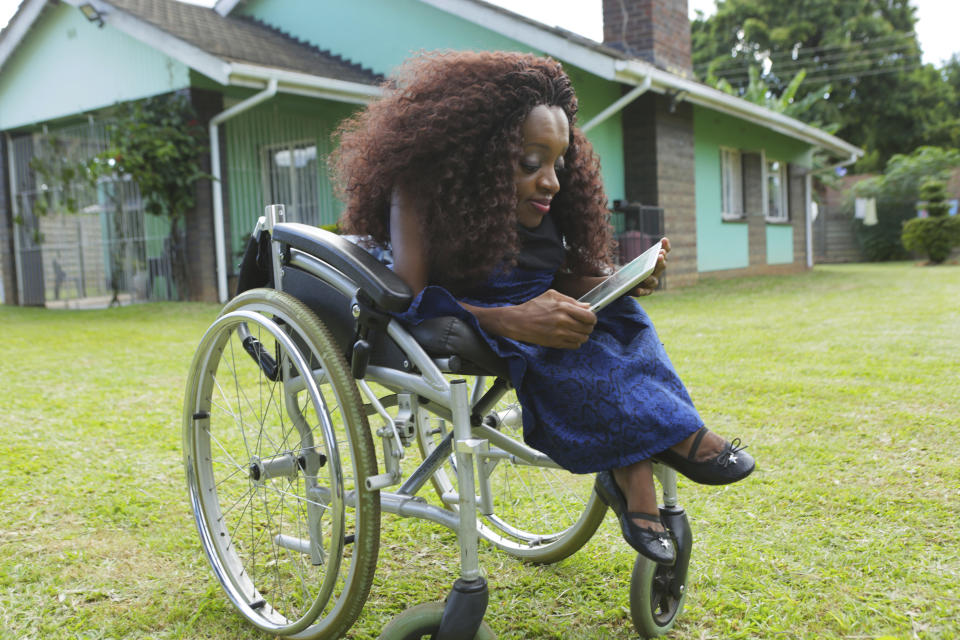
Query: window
pixel 290 175
pixel 731 184
pixel 776 182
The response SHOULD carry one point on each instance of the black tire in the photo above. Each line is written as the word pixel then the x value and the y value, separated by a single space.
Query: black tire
pixel 422 621
pixel 654 606
pixel 276 450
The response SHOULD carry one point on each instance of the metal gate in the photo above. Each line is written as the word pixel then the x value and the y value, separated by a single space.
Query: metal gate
pixel 79 244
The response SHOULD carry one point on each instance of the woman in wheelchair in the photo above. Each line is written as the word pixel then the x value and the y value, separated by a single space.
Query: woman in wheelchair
pixel 472 167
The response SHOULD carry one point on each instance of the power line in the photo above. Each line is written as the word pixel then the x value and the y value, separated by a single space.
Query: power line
pixel 866 59
pixel 789 55
pixel 813 71
pixel 735 65
pixel 857 75
pixel 860 74
pixel 844 45
pixel 848 71
pixel 873 55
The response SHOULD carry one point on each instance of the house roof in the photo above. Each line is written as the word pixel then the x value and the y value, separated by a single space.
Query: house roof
pixel 240 39
pixel 231 50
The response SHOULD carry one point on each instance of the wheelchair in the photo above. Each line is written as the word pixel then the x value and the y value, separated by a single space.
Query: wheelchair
pixel 290 388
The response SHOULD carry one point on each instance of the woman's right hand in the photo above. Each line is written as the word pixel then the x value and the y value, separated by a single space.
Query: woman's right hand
pixel 551 319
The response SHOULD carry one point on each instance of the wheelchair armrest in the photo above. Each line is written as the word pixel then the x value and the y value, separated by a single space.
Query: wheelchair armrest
pixel 387 290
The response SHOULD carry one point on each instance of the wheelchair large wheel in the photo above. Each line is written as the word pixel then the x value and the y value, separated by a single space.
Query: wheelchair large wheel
pixel 654 601
pixel 276 449
pixel 541 514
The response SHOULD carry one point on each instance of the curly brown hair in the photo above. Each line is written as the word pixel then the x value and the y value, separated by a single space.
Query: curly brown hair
pixel 448 128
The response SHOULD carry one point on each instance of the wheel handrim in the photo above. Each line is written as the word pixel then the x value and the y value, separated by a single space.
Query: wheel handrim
pixel 283 504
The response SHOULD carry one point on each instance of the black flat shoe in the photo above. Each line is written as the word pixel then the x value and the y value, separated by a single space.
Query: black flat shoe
pixel 656 545
pixel 730 465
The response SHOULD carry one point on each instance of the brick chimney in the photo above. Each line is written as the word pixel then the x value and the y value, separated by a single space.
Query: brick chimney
pixel 657 31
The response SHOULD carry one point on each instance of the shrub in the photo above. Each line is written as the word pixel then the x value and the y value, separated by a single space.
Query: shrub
pixel 937 234
pixel 934 237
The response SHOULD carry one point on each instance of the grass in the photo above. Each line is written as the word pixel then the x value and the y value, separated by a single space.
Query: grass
pixel 844 381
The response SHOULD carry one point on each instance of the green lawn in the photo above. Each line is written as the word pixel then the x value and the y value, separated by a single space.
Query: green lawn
pixel 844 381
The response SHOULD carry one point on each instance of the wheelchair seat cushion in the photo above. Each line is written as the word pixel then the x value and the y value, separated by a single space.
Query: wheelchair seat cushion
pixel 446 336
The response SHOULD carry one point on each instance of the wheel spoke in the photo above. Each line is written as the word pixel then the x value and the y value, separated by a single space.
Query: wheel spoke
pixel 264 447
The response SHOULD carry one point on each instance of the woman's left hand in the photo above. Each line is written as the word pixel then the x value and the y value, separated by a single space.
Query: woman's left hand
pixel 647 287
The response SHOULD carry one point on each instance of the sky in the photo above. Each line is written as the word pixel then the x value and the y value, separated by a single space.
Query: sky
pixel 936 27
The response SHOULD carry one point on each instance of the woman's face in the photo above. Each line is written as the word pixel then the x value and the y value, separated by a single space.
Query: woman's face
pixel 546 136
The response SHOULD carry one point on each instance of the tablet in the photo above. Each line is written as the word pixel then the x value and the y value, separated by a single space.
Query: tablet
pixel 627 278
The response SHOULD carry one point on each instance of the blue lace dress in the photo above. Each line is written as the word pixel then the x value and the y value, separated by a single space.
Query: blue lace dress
pixel 614 401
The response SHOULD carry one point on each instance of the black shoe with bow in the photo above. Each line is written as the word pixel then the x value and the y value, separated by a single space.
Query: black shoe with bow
pixel 656 545
pixel 730 465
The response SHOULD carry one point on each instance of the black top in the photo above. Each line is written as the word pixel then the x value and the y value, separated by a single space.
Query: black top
pixel 541 248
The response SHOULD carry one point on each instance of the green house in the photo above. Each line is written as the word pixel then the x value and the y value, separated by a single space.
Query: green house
pixel 728 181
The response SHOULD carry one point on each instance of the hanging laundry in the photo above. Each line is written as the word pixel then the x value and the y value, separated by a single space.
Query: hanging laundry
pixel 870 215
pixel 866 209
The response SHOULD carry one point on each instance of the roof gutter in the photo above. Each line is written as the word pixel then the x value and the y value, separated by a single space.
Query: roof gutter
pixel 631 71
pixel 250 75
pixel 843 163
pixel 619 105
pixel 215 122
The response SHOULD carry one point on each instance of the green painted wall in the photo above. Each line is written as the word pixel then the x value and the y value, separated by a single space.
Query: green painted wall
pixel 67 65
pixel 284 119
pixel 596 94
pixel 724 245
pixel 779 244
pixel 380 35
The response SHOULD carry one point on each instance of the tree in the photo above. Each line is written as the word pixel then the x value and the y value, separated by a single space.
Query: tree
pixel 881 95
pixel 158 142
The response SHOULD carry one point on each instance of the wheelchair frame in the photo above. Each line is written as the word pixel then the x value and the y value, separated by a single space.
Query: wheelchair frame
pixel 474 448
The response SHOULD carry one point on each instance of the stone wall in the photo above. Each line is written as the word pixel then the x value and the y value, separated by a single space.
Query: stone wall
pixel 659 171
pixel 796 207
pixel 753 208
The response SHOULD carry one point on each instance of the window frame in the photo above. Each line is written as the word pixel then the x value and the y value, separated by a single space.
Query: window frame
pixel 268 150
pixel 784 204
pixel 731 186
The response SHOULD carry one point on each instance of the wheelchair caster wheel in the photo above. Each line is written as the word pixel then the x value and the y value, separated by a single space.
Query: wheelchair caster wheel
pixel 657 593
pixel 422 621
pixel 654 603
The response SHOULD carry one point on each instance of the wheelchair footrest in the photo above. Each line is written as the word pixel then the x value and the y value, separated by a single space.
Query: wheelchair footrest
pixel 464 611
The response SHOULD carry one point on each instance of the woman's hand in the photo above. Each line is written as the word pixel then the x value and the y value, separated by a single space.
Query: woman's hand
pixel 551 320
pixel 646 287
